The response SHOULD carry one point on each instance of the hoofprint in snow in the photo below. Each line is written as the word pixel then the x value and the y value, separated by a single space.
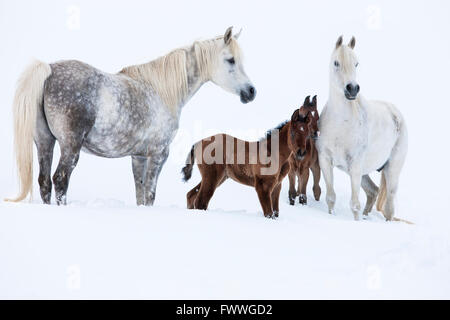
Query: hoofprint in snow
pixel 110 249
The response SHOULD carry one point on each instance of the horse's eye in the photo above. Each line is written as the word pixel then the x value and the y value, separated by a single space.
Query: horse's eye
pixel 231 61
pixel 336 64
pixel 356 65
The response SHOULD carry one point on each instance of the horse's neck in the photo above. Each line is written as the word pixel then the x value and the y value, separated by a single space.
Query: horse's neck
pixel 185 84
pixel 283 151
pixel 344 109
pixel 195 81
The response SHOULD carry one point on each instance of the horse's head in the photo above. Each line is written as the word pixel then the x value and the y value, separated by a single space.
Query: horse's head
pixel 299 133
pixel 310 107
pixel 228 71
pixel 343 69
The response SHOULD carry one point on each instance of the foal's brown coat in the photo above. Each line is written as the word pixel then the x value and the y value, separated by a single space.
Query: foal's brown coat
pixel 293 136
pixel 299 166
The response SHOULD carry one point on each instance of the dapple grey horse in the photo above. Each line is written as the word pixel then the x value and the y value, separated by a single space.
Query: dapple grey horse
pixel 133 113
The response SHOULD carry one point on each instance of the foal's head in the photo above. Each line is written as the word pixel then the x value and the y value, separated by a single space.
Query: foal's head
pixel 299 133
pixel 227 70
pixel 343 69
pixel 310 107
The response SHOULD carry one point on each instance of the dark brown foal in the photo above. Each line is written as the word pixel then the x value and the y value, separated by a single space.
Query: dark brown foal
pixel 300 164
pixel 262 164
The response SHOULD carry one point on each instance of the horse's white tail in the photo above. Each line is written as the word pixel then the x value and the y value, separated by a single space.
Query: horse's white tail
pixel 381 201
pixel 28 98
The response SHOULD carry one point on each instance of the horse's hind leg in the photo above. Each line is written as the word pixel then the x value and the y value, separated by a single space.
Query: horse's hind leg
pixel 371 190
pixel 192 195
pixel 45 142
pixel 212 177
pixel 392 172
pixel 70 153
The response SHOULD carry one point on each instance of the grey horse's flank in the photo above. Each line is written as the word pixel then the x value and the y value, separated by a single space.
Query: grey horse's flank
pixel 133 113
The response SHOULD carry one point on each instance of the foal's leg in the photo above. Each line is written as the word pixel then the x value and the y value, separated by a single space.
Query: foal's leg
pixel 154 165
pixel 304 176
pixel 45 143
pixel 371 190
pixel 212 177
pixel 264 190
pixel 327 170
pixel 139 172
pixel 276 200
pixel 292 190
pixel 192 195
pixel 355 178
pixel 70 153
pixel 315 168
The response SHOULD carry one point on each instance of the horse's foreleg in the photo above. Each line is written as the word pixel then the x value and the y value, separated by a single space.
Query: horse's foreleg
pixel 276 200
pixel 264 190
pixel 315 168
pixel 154 167
pixel 292 190
pixel 355 178
pixel 371 190
pixel 139 172
pixel 70 153
pixel 303 181
pixel 327 170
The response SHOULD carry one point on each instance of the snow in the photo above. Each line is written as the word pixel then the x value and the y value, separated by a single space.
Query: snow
pixel 102 246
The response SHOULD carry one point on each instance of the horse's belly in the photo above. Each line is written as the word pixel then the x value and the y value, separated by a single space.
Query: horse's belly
pixel 109 146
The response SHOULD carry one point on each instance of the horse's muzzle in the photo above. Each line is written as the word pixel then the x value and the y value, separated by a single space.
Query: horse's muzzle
pixel 351 91
pixel 248 95
pixel 300 155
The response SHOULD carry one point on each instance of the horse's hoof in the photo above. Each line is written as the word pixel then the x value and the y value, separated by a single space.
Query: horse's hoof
pixel 303 200
pixel 292 202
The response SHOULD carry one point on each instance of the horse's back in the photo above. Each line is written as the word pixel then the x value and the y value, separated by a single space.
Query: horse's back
pixel 111 112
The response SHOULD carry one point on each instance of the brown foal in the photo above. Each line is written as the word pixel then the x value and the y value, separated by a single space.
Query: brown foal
pixel 262 164
pixel 300 164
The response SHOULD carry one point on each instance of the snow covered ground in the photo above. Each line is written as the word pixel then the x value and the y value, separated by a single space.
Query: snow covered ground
pixel 102 246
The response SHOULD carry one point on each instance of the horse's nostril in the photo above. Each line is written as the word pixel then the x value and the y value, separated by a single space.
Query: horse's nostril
pixel 357 88
pixel 252 90
pixel 349 88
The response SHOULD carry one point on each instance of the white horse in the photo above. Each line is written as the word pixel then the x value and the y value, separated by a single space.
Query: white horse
pixel 360 136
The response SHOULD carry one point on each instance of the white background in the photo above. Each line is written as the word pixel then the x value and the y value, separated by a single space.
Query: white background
pixel 403 49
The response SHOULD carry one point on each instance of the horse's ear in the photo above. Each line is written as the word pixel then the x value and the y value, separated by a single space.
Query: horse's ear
pixel 307 101
pixel 228 35
pixel 314 101
pixel 352 43
pixel 295 116
pixel 236 36
pixel 339 42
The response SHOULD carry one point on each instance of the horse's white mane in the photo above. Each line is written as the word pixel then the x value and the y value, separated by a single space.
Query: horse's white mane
pixel 167 75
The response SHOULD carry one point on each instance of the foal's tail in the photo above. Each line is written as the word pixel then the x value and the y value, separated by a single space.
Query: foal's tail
pixel 29 97
pixel 190 160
